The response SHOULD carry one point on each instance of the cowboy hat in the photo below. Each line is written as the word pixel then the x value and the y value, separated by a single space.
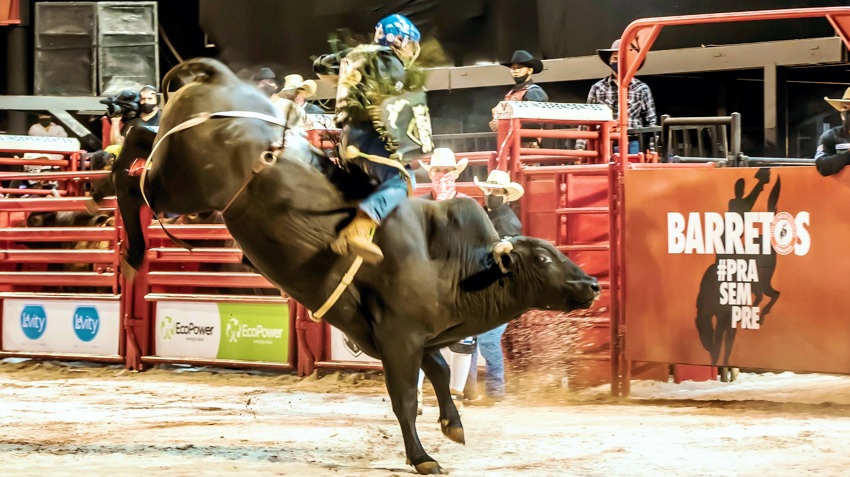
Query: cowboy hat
pixel 445 157
pixel 522 57
pixel 296 82
pixel 264 74
pixel 840 104
pixel 501 180
pixel 605 53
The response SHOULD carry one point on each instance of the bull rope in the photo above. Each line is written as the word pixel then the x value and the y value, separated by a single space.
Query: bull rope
pixel 267 158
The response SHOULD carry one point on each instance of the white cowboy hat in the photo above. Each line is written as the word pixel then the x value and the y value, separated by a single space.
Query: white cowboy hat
pixel 501 180
pixel 840 104
pixel 296 82
pixel 445 157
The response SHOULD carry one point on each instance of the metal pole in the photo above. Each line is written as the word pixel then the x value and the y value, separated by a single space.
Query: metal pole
pixel 17 67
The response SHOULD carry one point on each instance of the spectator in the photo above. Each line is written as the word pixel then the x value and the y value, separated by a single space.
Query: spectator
pixel 443 171
pixel 269 85
pixel 148 115
pixel 46 127
pixel 833 152
pixel 499 192
pixel 606 91
pixel 267 81
pixel 522 66
pixel 296 89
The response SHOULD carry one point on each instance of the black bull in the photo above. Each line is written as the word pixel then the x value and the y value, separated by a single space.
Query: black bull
pixel 441 279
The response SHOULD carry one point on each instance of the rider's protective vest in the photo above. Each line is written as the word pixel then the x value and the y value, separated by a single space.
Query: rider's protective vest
pixel 375 86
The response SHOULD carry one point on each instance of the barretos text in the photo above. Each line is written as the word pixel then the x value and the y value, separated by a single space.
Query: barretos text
pixel 732 233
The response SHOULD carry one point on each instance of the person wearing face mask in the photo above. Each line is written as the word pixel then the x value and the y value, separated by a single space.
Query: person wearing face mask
pixel 382 112
pixel 499 192
pixel 606 91
pixel 833 152
pixel 149 115
pixel 443 170
pixel 522 65
pixel 46 127
pixel 267 81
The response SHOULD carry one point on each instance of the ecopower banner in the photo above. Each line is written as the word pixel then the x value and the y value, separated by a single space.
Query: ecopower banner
pixel 739 266
pixel 237 331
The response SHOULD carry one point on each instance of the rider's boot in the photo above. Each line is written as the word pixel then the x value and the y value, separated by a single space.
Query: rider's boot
pixel 356 239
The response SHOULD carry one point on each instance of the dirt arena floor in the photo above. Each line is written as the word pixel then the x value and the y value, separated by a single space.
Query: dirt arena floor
pixel 91 420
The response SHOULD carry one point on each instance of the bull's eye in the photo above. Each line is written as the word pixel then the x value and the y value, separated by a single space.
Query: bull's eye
pixel 544 259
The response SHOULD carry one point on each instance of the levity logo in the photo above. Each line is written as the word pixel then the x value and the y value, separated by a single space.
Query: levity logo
pixel 33 321
pixel 86 323
pixel 236 331
pixel 748 233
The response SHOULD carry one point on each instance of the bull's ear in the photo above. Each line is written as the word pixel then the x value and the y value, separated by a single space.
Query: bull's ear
pixel 502 256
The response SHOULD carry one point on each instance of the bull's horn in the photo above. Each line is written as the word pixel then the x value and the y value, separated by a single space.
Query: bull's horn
pixel 503 247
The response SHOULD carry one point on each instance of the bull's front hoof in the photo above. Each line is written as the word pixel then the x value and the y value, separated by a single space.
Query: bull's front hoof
pixel 428 468
pixel 453 432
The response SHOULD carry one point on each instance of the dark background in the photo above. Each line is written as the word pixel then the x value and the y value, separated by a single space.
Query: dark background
pixel 286 34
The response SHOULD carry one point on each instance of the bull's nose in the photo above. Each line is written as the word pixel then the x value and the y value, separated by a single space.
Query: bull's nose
pixel 594 285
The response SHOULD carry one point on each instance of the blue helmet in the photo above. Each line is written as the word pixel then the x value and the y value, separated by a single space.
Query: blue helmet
pixel 396 31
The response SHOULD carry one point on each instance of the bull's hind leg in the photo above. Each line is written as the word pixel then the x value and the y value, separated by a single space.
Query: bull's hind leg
pixel 438 373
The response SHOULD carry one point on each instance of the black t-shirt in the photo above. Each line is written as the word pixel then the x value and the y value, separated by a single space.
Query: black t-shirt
pixel 138 121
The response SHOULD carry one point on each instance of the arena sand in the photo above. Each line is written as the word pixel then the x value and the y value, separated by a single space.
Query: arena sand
pixel 91 420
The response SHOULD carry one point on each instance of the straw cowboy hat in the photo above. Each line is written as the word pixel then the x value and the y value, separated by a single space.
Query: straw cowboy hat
pixel 296 82
pixel 501 180
pixel 445 157
pixel 522 57
pixel 842 104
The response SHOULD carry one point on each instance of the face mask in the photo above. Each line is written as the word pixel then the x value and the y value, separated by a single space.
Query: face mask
pixel 268 90
pixel 147 108
pixel 44 122
pixel 443 185
pixel 521 79
pixel 613 67
pixel 493 202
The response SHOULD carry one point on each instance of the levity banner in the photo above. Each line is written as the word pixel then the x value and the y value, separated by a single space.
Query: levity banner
pixel 739 266
pixel 61 326
pixel 240 331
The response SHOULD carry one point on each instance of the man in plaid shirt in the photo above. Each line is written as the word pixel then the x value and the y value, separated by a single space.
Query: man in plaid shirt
pixel 605 91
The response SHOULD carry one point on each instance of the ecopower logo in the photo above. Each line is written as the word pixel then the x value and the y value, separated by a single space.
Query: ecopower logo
pixel 169 328
pixel 236 331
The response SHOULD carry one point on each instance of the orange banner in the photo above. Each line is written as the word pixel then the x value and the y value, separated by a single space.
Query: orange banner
pixel 740 266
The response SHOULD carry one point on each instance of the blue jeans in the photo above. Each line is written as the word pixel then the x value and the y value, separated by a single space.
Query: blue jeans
pixel 634 147
pixel 391 191
pixel 490 345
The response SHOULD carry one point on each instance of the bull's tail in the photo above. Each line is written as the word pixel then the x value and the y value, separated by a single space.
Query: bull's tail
pixel 206 70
